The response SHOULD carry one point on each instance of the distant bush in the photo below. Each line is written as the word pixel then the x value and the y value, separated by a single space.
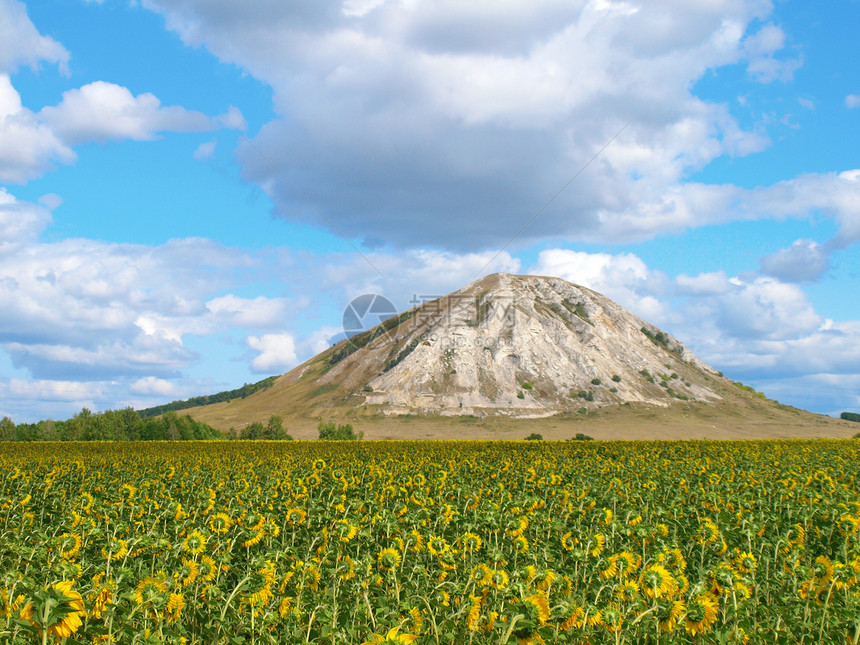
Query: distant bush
pixel 534 436
pixel 520 395
pixel 330 432
pixel 596 381
pixel 367 388
pixel 528 386
pixel 850 416
pixel 616 378
pixel 582 437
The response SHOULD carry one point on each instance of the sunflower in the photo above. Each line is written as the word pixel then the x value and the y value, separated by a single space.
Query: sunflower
pixel 609 567
pixel 67 610
pixel 709 533
pixel 437 545
pixel 499 579
pixel 220 523
pixel 517 526
pixel 669 613
pixel 207 569
pixel 535 613
pixel 70 545
pixel 388 559
pixel 574 619
pixel 259 589
pixel 596 544
pixel 174 607
pixel 627 591
pixel 194 542
pixel 481 574
pixel 701 614
pixel 296 516
pixel 349 572
pixel 822 570
pixel 626 563
pixel 101 601
pixel 657 582
pixel 471 543
pixel 474 613
pixel 345 530
pixel 521 544
pixel 188 572
pixel 568 542
pixel 117 550
pixel 152 592
pixel 612 619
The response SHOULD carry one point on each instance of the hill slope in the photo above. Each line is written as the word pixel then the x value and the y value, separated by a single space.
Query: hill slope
pixel 506 349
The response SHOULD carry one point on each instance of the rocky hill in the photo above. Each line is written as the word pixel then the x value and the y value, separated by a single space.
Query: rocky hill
pixel 523 346
pixel 510 354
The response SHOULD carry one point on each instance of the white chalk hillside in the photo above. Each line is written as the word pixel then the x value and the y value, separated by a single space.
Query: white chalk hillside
pixel 520 346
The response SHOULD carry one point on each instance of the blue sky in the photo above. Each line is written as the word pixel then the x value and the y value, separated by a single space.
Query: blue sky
pixel 191 192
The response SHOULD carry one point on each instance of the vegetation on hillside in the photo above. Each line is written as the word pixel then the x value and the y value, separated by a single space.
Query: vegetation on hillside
pixel 207 399
pixel 113 425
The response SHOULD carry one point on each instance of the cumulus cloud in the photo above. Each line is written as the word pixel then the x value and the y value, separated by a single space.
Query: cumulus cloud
pixel 20 222
pixel 852 101
pixel 103 112
pixel 31 143
pixel 28 148
pixel 704 284
pixel 624 278
pixel 87 309
pixel 803 261
pixel 277 353
pixel 22 44
pixel 449 125
pixel 259 312
pixel 761 49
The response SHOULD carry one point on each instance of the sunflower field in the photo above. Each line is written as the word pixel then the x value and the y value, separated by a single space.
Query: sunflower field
pixel 430 542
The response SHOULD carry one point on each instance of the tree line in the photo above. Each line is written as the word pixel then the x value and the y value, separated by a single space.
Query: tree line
pixel 112 425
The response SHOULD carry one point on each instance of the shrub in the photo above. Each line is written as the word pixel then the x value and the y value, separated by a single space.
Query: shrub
pixel 616 378
pixel 850 416
pixel 528 386
pixel 331 432
pixel 534 436
pixel 582 437
pixel 520 395
pixel 595 381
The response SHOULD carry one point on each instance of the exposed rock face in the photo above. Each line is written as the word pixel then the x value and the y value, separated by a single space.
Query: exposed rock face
pixel 516 345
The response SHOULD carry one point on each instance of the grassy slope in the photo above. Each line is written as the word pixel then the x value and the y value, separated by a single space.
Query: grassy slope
pixel 302 403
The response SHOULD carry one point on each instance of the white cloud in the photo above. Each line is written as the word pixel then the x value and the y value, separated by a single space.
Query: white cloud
pixel 205 150
pixel 28 147
pixel 277 352
pixel 259 312
pixel 415 124
pixel 804 260
pixel 760 48
pixel 22 44
pixel 852 101
pixel 624 278
pixel 806 103
pixel 103 111
pixel 704 284
pixel 150 385
pixel 93 309
pixel 20 223
pixel 54 390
